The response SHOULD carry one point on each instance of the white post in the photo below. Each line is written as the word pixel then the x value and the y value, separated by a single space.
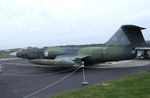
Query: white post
pixel 0 66
pixel 83 72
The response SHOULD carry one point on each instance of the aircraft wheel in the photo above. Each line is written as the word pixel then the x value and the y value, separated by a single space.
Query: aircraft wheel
pixel 141 57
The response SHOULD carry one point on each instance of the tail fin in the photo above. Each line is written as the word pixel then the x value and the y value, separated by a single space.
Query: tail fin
pixel 127 35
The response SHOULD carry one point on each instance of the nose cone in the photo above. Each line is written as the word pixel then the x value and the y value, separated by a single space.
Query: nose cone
pixel 30 53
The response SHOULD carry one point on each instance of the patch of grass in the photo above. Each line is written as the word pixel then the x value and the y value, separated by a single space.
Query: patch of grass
pixel 134 86
pixel 3 54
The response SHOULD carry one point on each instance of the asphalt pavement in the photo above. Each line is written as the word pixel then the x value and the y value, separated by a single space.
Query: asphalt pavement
pixel 20 79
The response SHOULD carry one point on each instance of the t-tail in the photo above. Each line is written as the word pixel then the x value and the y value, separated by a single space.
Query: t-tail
pixel 127 35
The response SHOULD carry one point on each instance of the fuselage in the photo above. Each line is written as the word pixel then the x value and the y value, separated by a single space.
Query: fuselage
pixel 106 53
pixel 96 54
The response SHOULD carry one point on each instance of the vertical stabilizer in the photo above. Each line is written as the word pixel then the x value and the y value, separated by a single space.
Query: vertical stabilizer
pixel 127 35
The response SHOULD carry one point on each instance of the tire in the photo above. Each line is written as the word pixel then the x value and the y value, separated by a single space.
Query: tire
pixel 141 57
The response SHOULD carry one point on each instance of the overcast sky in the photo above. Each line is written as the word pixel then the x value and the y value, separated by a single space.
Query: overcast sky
pixel 60 22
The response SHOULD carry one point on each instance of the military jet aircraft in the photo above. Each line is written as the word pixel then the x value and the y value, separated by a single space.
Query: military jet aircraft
pixel 120 46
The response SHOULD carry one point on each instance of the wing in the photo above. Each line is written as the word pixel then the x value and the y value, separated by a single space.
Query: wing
pixel 71 57
pixel 60 61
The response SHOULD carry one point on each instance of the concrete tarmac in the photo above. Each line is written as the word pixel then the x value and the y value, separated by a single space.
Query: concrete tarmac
pixel 20 79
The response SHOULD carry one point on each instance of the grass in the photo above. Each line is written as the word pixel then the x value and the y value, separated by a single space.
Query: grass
pixel 134 86
pixel 3 54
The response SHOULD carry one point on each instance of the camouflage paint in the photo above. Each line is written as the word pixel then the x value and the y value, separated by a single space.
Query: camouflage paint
pixel 107 53
pixel 120 46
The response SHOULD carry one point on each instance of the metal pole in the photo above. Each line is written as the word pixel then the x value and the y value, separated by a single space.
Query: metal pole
pixel 83 73
pixel 0 66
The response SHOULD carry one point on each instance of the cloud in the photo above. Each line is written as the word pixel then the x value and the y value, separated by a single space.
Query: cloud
pixel 142 14
pixel 36 22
